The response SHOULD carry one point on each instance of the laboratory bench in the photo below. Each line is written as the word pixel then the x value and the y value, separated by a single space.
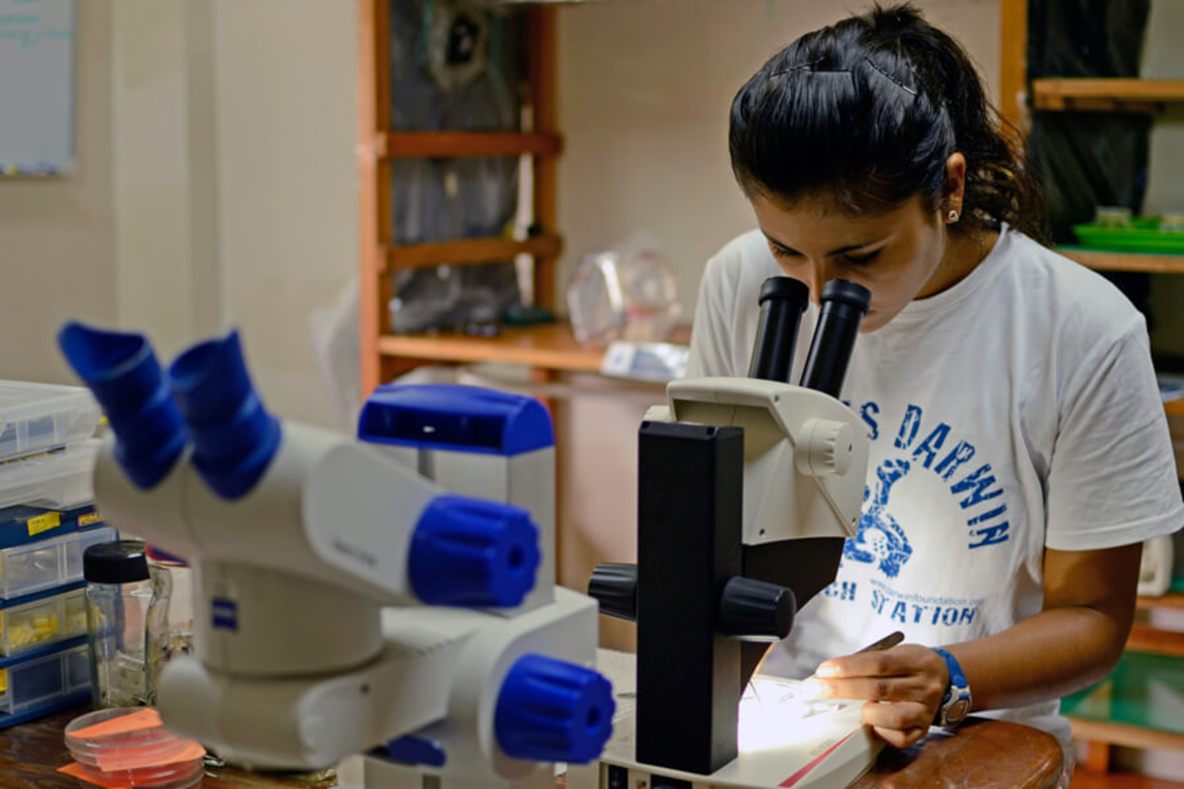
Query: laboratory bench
pixel 984 753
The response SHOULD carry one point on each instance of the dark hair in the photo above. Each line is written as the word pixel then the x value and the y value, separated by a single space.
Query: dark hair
pixel 869 110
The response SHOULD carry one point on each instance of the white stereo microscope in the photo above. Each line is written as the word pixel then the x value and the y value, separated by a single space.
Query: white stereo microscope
pixel 390 596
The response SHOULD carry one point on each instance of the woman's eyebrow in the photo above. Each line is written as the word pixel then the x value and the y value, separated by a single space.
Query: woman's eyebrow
pixel 833 252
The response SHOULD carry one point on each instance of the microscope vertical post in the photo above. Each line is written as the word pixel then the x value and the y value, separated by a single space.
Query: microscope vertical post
pixel 691 478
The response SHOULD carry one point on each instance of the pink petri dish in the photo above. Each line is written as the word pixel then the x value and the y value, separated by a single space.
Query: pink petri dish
pixel 152 757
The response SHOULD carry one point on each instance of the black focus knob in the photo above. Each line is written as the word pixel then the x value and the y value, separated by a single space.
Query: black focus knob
pixel 614 586
pixel 756 610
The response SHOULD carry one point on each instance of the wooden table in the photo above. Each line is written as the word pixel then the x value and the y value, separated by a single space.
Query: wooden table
pixel 31 753
pixel 984 754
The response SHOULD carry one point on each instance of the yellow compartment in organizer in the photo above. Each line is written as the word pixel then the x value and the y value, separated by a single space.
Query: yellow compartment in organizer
pixel 46 620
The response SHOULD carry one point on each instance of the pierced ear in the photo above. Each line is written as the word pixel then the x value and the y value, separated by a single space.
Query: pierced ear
pixel 955 184
pixel 954 188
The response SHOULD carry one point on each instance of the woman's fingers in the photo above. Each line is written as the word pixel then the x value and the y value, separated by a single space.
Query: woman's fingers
pixel 895 662
pixel 908 688
pixel 897 715
pixel 901 739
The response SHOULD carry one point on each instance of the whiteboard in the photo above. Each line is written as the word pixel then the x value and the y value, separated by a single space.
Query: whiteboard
pixel 36 86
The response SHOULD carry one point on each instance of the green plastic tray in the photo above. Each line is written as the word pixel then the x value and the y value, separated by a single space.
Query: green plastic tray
pixel 1142 236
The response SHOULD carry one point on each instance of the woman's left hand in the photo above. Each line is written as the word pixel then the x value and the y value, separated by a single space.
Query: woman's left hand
pixel 903 685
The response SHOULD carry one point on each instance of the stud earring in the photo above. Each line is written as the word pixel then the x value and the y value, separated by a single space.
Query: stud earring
pixel 953 215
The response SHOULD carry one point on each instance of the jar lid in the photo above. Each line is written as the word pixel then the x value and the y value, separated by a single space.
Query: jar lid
pixel 119 562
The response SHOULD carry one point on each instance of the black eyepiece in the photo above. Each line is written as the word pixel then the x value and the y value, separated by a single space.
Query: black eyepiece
pixel 843 306
pixel 782 300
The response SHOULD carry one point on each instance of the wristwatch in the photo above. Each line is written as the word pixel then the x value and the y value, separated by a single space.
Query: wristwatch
pixel 955 704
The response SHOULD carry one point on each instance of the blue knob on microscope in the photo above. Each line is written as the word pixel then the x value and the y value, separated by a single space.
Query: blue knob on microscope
pixel 470 552
pixel 549 710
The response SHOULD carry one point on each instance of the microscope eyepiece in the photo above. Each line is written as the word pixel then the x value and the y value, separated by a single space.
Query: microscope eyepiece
pixel 843 306
pixel 782 301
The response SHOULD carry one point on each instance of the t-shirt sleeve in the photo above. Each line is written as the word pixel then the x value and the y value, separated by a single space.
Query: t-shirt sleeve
pixel 1112 479
pixel 710 329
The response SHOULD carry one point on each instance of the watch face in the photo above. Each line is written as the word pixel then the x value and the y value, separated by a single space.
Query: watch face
pixel 957 711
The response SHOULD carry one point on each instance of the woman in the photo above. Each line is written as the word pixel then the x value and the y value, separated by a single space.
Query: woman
pixel 1019 451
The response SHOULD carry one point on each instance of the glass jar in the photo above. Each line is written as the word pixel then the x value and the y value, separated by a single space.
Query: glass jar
pixel 118 593
pixel 170 615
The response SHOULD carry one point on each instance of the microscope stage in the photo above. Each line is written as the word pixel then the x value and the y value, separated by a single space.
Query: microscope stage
pixel 783 740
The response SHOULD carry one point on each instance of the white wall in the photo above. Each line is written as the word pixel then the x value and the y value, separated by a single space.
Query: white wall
pixel 286 197
pixel 163 189
pixel 644 92
pixel 57 244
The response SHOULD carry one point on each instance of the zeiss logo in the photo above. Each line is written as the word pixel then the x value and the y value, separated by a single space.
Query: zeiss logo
pixel 225 614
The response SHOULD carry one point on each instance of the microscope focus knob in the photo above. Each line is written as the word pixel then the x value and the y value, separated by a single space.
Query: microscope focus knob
pixel 751 610
pixel 470 552
pixel 825 447
pixel 614 586
pixel 549 710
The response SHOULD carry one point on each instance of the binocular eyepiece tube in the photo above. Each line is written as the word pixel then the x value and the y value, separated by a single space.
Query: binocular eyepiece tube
pixel 783 300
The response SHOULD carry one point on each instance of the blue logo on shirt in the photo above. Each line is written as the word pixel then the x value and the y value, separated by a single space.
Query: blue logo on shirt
pixel 921 446
pixel 880 538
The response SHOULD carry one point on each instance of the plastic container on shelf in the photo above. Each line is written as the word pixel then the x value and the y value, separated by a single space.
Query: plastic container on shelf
pixel 137 751
pixel 29 568
pixel 38 417
pixel 58 480
pixel 38 683
pixel 21 525
pixel 42 619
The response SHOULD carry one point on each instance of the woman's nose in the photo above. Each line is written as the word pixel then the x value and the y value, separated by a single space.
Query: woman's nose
pixel 820 274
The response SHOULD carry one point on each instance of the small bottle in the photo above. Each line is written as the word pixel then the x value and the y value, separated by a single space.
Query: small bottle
pixel 118 593
pixel 170 615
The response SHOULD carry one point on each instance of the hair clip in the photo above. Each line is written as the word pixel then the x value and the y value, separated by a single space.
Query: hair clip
pixel 889 77
pixel 807 66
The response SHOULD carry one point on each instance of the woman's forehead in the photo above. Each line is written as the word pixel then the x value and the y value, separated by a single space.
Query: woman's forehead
pixel 820 219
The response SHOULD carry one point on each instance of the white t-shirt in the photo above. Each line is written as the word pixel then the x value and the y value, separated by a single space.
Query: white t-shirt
pixel 1014 411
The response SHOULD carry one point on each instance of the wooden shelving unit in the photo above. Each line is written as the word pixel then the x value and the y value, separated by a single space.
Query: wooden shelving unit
pixel 549 347
pixel 469 250
pixel 1106 95
pixel 1125 261
pixel 1101 731
pixel 383 354
pixel 411 145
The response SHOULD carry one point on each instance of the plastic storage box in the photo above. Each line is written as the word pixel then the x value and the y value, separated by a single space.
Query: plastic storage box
pixel 37 417
pixel 25 569
pixel 20 525
pixel 40 620
pixel 38 684
pixel 60 480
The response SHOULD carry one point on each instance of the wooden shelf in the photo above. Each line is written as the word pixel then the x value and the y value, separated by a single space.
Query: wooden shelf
pixel 1144 638
pixel 549 347
pixel 1102 260
pixel 422 145
pixel 1170 600
pixel 1125 734
pixel 468 251
pixel 1106 95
